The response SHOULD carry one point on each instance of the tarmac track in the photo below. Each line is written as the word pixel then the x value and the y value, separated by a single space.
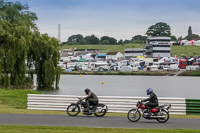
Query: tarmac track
pixel 92 121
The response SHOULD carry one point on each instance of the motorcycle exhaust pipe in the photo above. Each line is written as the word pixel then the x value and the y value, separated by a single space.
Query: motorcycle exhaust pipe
pixel 157 117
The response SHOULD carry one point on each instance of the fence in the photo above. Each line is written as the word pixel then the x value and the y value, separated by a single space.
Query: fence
pixel 117 104
pixel 193 106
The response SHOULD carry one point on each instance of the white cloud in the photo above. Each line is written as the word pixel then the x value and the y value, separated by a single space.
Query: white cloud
pixel 120 23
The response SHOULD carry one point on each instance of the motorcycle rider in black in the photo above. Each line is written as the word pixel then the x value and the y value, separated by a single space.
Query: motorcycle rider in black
pixel 153 100
pixel 91 98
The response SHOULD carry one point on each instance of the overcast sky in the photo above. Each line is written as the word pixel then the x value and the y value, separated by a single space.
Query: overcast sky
pixel 121 19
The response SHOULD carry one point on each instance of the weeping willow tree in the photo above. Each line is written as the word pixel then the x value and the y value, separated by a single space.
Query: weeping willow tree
pixel 21 42
pixel 46 56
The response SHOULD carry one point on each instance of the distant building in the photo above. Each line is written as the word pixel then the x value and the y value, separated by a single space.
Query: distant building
pixel 133 52
pixel 158 47
pixel 114 55
pixel 66 52
pixel 101 56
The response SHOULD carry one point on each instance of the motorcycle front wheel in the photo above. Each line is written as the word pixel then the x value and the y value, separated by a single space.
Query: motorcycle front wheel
pixel 73 110
pixel 133 115
pixel 100 110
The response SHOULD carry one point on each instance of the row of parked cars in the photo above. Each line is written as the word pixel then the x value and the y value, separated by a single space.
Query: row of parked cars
pixel 163 67
pixel 172 67
pixel 194 67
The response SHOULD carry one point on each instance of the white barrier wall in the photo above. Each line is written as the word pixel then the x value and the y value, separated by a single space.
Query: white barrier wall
pixel 115 103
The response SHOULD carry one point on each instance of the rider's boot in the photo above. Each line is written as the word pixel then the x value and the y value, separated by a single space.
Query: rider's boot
pixel 87 109
pixel 149 113
pixel 88 106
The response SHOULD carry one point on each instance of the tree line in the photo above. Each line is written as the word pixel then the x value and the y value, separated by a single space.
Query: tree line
pixel 159 29
pixel 22 46
pixel 105 40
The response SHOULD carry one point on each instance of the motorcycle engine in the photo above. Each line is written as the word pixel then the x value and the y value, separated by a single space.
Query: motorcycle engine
pixel 145 112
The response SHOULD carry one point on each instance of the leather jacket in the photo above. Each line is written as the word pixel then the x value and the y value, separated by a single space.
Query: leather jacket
pixel 152 98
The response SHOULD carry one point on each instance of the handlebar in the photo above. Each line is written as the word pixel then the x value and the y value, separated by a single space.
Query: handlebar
pixel 140 102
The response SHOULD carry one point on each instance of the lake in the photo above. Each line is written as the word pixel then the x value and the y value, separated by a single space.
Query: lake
pixel 117 85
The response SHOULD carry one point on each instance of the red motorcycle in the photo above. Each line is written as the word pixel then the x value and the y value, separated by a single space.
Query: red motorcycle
pixel 160 113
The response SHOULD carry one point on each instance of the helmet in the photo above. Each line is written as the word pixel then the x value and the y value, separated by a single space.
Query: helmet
pixel 149 91
pixel 87 91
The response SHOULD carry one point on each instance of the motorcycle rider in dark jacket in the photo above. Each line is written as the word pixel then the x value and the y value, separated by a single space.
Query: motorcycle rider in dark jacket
pixel 90 99
pixel 153 100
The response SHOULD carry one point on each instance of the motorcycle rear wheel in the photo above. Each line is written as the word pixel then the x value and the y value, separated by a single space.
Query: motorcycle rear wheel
pixel 163 113
pixel 100 110
pixel 133 115
pixel 73 110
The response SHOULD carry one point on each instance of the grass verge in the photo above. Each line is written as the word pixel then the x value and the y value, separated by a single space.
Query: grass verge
pixel 15 98
pixel 190 73
pixel 47 129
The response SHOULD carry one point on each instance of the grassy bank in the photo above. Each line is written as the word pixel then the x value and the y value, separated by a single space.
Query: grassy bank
pixel 105 48
pixel 47 129
pixel 190 73
pixel 15 98
pixel 144 73
pixel 175 50
pixel 186 50
pixel 15 102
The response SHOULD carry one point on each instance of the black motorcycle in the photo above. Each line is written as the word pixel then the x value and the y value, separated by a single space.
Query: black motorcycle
pixel 160 113
pixel 98 110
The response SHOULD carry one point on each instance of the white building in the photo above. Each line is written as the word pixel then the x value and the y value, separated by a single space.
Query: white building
pixel 133 52
pixel 158 47
pixel 114 55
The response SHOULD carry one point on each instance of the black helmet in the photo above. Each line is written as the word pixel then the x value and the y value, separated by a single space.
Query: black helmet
pixel 87 90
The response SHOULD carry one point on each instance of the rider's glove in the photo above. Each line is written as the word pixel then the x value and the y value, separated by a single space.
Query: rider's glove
pixel 81 98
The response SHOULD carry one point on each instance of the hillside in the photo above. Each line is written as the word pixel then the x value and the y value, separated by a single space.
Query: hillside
pixel 175 50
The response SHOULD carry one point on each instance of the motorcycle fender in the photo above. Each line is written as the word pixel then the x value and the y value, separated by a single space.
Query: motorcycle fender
pixel 165 110
pixel 73 104
pixel 104 106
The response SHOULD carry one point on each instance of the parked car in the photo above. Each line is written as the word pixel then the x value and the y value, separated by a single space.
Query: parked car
pixel 192 68
pixel 100 69
pixel 126 69
pixel 112 67
pixel 72 68
pixel 174 67
pixel 68 70
pixel 166 68
pixel 153 68
pixel 62 65
pixel 196 63
pixel 135 69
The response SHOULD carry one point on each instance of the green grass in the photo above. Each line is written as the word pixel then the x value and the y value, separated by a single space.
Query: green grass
pixel 175 50
pixel 105 48
pixel 186 50
pixel 54 129
pixel 15 98
pixel 190 73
